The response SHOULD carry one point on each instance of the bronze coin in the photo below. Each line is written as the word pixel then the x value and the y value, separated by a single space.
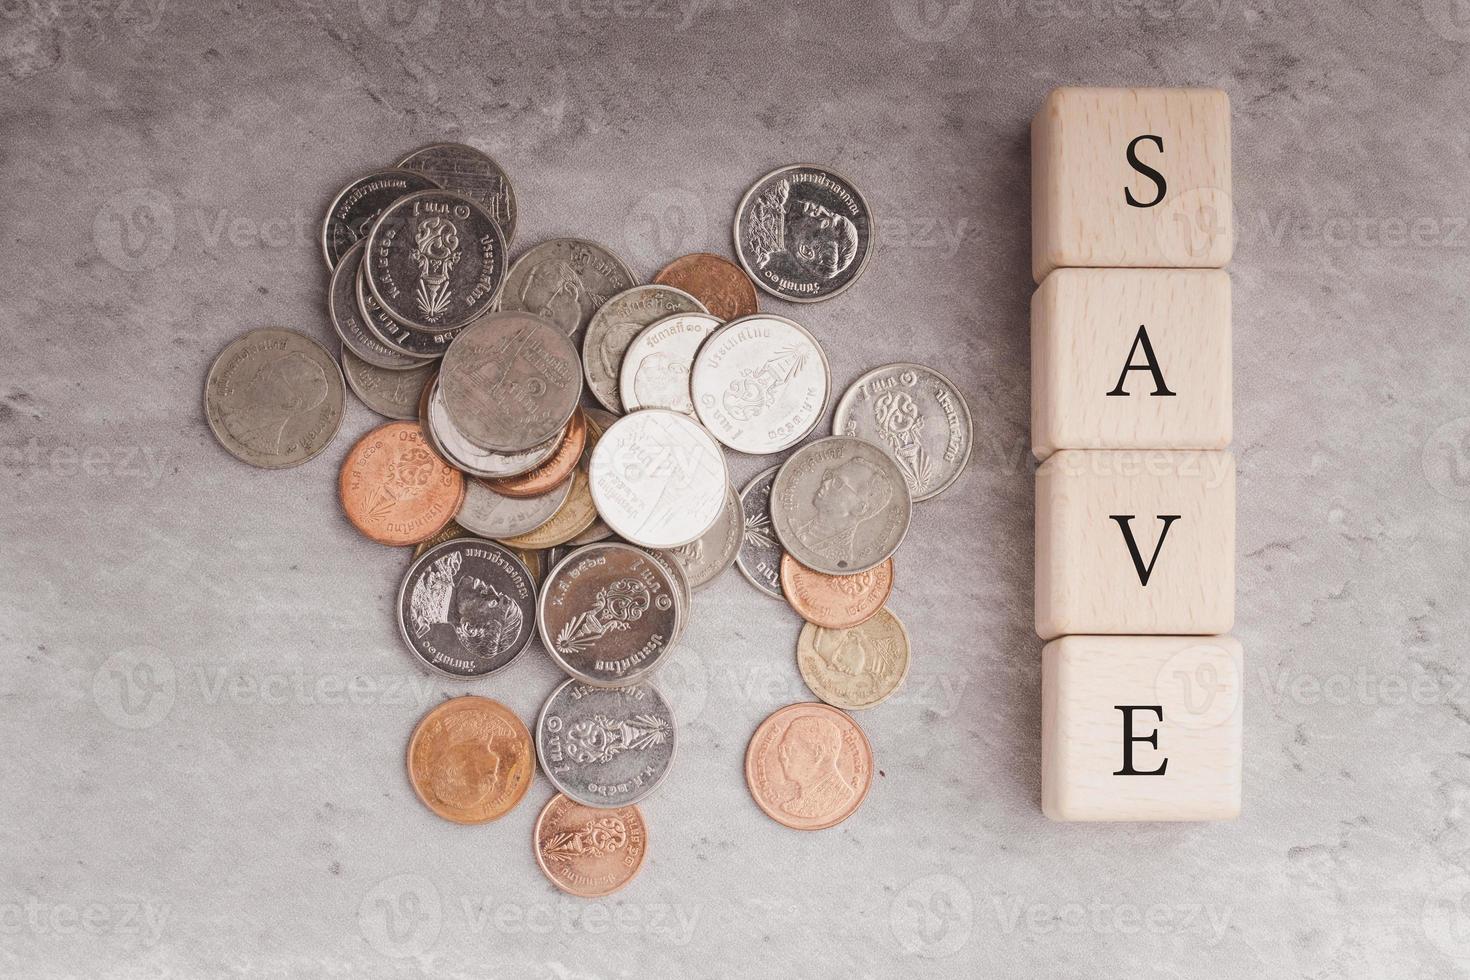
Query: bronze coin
pixel 470 760
pixel 809 766
pixel 587 851
pixel 395 489
pixel 835 601
pixel 552 473
pixel 856 667
pixel 721 285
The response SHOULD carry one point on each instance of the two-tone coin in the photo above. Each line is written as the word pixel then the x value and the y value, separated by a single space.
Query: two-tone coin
pixel 608 614
pixel 274 398
pixel 395 489
pixel 468 171
pixel 715 281
pixel 658 478
pixel 350 323
pixel 392 394
pixel 835 601
pixel 705 558
pixel 857 666
pixel 760 383
pixel 510 382
pixel 564 280
pixel 469 760
pixel 803 233
pixel 505 518
pixel 918 416
pixel 759 559
pixel 840 505
pixel 353 211
pixel 435 261
pixel 605 746
pixel 809 766
pixel 589 851
pixel 615 325
pixel 656 365
pixel 467 608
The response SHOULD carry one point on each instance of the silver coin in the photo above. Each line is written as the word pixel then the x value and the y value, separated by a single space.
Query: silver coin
pixel 465 170
pixel 918 416
pixel 274 398
pixel 392 394
pixel 486 512
pixel 616 324
pixel 511 382
pixel 350 324
pixel 435 261
pixel 465 455
pixel 467 607
pixel 564 280
pixel 598 529
pixel 803 233
pixel 760 383
pixel 655 371
pixel 608 614
pixel 605 747
pixel 357 206
pixel 393 334
pixel 683 592
pixel 658 478
pixel 704 559
pixel 760 554
pixel 840 506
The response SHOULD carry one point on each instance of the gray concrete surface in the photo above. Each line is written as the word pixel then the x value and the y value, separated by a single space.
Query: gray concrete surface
pixel 205 704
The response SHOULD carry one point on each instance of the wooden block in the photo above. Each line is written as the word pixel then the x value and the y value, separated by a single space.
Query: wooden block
pixel 1130 359
pixel 1136 177
pixel 1135 542
pixel 1141 728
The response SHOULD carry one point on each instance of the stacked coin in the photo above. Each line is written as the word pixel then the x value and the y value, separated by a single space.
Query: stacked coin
pixel 558 459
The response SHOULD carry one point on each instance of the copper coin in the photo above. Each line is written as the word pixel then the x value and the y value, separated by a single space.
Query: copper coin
pixel 835 601
pixel 587 851
pixel 809 766
pixel 395 489
pixel 552 473
pixel 721 285
pixel 470 760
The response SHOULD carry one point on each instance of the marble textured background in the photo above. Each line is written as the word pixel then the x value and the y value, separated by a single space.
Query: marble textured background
pixel 205 703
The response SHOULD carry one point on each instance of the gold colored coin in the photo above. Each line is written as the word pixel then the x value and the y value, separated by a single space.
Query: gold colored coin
pixel 470 760
pixel 856 667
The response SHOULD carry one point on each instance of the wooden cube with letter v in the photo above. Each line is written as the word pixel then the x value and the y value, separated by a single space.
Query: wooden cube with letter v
pixel 1131 177
pixel 1141 728
pixel 1135 542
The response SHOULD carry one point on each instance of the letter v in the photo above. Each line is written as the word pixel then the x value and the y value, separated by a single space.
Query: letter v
pixel 1144 571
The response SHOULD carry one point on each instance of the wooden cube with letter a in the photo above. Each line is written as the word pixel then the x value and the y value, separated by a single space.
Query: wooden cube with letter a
pixel 1135 177
pixel 1131 359
pixel 1141 728
pixel 1135 542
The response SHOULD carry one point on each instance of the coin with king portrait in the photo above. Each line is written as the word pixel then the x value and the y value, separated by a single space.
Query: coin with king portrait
pixel 467 607
pixel 804 233
pixel 840 506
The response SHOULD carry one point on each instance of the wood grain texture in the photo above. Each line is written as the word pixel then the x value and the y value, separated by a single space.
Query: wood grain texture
pixel 1195 682
pixel 1084 327
pixel 1080 170
pixel 1086 579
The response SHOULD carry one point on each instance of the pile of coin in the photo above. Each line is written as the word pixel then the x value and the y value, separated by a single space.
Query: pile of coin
pixel 557 456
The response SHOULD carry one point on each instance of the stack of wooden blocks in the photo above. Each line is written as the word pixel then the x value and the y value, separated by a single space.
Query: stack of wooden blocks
pixel 1131 417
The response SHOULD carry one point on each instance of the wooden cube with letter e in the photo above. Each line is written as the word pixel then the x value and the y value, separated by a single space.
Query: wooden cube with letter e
pixel 1131 177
